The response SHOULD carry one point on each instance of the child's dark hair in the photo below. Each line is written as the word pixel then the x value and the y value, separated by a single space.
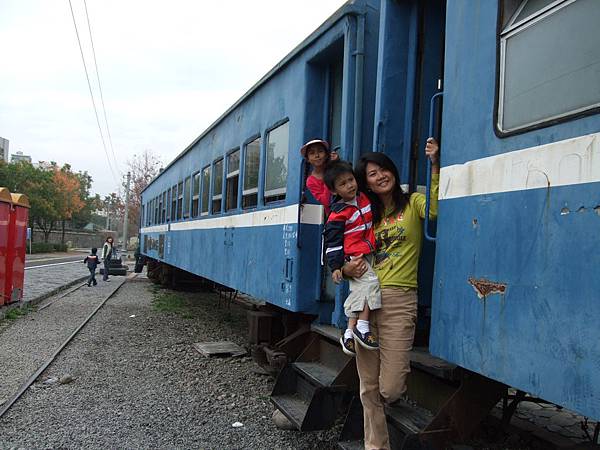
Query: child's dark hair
pixel 334 170
pixel 398 195
pixel 94 250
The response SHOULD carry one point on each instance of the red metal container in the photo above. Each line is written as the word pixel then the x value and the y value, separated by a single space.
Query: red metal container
pixel 17 243
pixel 5 207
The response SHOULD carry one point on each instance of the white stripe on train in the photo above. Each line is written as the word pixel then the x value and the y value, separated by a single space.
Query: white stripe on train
pixel 564 163
pixel 286 215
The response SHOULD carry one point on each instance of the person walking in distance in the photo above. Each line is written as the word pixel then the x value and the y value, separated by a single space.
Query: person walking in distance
pixel 106 254
pixel 92 261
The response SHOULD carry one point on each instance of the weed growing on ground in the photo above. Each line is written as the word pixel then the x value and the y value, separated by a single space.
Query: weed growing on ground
pixel 15 313
pixel 169 302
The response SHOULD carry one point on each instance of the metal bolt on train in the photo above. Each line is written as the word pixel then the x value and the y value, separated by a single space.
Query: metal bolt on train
pixel 509 292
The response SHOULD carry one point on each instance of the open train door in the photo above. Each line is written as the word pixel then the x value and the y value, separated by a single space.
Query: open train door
pixel 410 68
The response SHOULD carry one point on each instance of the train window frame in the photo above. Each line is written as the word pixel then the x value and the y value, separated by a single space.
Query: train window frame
pixel 205 199
pixel 187 200
pixel 278 194
pixel 250 193
pixel 160 204
pixel 179 215
pixel 512 27
pixel 217 199
pixel 195 194
pixel 173 203
pixel 164 208
pixel 232 181
pixel 155 207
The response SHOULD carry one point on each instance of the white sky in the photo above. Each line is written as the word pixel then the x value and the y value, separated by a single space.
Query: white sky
pixel 168 69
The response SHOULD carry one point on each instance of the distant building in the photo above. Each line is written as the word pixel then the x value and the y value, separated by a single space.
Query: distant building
pixel 43 165
pixel 19 156
pixel 3 149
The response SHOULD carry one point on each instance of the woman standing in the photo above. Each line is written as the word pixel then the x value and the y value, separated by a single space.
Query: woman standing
pixel 106 255
pixel 397 218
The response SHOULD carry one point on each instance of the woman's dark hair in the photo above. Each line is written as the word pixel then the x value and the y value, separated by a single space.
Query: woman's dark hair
pixel 399 196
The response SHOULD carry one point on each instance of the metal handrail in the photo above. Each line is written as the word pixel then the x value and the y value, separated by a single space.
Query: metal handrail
pixel 428 183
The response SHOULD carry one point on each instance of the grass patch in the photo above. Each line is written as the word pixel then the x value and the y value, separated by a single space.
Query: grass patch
pixel 171 302
pixel 15 313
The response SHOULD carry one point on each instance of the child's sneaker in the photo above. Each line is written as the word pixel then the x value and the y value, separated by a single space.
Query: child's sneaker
pixel 348 346
pixel 367 340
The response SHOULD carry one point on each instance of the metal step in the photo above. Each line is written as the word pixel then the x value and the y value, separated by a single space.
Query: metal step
pixel 352 445
pixel 409 419
pixel 292 406
pixel 316 372
pixel 311 390
pixel 405 423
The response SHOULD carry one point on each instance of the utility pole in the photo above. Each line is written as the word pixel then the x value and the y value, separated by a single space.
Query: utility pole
pixel 107 207
pixel 126 219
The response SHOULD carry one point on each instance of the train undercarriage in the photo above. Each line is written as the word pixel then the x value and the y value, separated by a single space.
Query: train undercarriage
pixel 316 383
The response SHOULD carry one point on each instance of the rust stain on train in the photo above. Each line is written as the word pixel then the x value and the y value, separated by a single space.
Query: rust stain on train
pixel 484 287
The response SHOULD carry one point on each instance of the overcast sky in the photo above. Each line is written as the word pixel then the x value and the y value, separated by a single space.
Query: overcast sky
pixel 168 69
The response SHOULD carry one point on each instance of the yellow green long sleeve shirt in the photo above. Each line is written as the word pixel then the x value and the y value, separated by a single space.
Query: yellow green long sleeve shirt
pixel 398 239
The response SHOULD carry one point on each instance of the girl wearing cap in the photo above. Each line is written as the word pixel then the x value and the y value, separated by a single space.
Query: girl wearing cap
pixel 317 154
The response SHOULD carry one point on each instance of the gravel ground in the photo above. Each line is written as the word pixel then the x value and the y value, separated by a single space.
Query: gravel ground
pixel 28 342
pixel 139 383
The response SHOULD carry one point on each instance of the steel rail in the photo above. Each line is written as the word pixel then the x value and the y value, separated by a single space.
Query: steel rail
pixel 9 403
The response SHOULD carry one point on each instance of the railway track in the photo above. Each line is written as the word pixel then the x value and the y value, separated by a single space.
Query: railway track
pixel 77 301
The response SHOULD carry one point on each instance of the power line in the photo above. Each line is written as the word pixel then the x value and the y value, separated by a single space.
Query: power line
pixel 100 88
pixel 92 95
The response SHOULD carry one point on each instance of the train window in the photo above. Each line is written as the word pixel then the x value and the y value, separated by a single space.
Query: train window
pixel 251 165
pixel 277 162
pixel 186 197
pixel 205 190
pixel 217 198
pixel 195 194
pixel 544 75
pixel 180 200
pixel 173 203
pixel 156 210
pixel 160 206
pixel 233 178
pixel 164 208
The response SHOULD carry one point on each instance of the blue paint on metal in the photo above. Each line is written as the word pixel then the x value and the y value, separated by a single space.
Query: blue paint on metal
pixel 541 335
pixel 258 260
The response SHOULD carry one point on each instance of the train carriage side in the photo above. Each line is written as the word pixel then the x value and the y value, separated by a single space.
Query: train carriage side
pixel 516 286
pixel 228 208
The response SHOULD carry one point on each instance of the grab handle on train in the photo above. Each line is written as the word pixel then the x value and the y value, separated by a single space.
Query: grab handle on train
pixel 428 183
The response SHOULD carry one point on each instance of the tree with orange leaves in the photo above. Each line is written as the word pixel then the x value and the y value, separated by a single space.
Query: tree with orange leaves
pixel 68 190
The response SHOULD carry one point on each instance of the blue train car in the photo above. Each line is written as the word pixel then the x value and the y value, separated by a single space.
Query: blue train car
pixel 228 208
pixel 517 292
pixel 509 291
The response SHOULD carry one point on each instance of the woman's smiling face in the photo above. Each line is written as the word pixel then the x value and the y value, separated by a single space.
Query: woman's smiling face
pixel 380 181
